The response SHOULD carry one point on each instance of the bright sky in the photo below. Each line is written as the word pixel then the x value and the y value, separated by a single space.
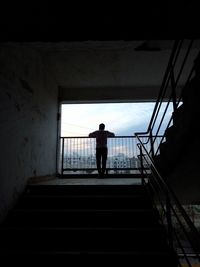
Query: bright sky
pixel 120 118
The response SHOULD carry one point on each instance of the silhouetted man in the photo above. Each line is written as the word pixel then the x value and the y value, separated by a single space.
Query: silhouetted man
pixel 101 147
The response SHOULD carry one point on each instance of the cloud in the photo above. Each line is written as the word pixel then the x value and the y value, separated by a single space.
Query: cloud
pixel 120 118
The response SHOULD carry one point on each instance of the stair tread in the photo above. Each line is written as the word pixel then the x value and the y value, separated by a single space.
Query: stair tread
pixel 90 258
pixel 85 189
pixel 123 210
pixel 87 221
pixel 100 252
pixel 94 228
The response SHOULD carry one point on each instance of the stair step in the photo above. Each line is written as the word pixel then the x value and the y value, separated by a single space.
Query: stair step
pixel 176 134
pixel 170 133
pixel 91 258
pixel 84 239
pixel 171 150
pixel 78 202
pixel 86 224
pixel 178 114
pixel 162 164
pixel 86 190
pixel 84 217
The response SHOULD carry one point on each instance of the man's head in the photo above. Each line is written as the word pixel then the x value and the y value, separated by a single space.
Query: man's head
pixel 101 126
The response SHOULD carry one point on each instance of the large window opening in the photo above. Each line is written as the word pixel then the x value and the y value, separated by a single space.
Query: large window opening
pixel 121 118
pixel 77 150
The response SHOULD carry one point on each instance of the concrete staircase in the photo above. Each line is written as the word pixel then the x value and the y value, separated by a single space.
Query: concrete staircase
pixel 86 224
pixel 182 141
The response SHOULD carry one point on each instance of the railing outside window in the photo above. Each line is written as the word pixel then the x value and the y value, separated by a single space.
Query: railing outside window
pixel 78 155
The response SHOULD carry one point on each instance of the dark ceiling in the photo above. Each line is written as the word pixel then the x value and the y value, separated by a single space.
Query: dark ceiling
pixel 80 22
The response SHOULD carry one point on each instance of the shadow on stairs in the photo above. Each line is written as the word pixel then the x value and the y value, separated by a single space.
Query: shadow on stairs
pixel 86 224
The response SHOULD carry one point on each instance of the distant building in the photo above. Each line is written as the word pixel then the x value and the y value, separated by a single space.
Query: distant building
pixel 120 163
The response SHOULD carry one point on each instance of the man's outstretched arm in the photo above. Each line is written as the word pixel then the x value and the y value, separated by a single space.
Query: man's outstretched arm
pixel 110 134
pixel 93 134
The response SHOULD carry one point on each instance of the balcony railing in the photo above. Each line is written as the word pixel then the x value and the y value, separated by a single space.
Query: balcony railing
pixel 78 155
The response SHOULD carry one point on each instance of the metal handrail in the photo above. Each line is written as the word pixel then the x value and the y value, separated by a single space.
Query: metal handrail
pixel 171 197
pixel 161 90
pixel 168 77
pixel 158 183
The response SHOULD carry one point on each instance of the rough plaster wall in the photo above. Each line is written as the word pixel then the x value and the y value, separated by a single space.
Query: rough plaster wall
pixel 28 107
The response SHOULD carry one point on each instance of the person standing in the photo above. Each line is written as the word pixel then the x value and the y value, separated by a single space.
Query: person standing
pixel 101 147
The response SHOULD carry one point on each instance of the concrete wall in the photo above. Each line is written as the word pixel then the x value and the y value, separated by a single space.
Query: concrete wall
pixel 102 74
pixel 99 72
pixel 28 108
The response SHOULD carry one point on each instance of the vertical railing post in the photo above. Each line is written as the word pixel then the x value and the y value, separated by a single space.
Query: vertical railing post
pixel 141 165
pixel 151 143
pixel 62 162
pixel 173 90
pixel 169 220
